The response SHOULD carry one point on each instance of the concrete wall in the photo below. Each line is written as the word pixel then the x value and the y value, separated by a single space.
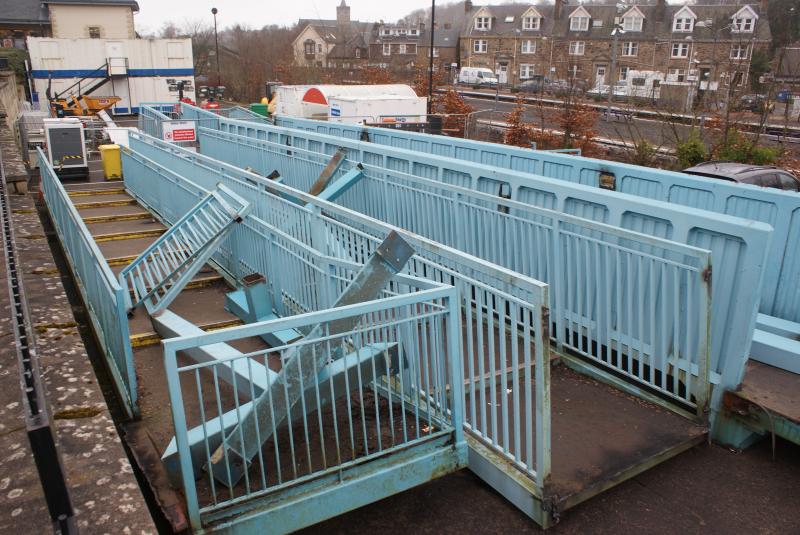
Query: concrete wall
pixel 115 22
pixel 9 97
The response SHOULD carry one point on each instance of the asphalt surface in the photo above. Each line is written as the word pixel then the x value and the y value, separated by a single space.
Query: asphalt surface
pixel 658 133
pixel 708 490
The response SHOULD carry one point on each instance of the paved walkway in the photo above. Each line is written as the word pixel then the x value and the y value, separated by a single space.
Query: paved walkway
pixel 708 490
pixel 103 488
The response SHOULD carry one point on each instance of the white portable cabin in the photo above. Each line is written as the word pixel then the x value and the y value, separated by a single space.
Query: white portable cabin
pixel 645 84
pixel 139 70
pixel 353 104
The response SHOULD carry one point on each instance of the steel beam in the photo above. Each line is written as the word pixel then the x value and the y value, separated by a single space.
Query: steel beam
pixel 232 458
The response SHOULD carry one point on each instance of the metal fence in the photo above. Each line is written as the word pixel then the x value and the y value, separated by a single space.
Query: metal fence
pixel 496 304
pixel 741 245
pixel 780 293
pixel 405 394
pixel 629 302
pixel 102 294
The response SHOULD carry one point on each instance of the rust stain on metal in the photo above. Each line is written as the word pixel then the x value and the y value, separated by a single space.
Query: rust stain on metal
pixel 707 275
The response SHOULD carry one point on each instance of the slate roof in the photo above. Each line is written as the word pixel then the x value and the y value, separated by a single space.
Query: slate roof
pixel 345 38
pixel 652 29
pixel 23 12
pixel 36 12
pixel 442 38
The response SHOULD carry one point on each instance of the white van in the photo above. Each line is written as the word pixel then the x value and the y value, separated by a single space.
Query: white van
pixel 477 76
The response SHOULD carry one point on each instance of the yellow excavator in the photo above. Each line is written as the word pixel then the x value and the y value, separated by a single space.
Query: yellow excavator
pixel 67 104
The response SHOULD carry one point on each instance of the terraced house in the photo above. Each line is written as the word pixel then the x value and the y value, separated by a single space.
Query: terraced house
pixel 707 47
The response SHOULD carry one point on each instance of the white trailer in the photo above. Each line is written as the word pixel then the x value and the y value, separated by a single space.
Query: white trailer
pixel 138 70
pixel 353 104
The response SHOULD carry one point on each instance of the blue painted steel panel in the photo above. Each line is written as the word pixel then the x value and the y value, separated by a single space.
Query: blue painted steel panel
pixel 734 300
pixel 780 295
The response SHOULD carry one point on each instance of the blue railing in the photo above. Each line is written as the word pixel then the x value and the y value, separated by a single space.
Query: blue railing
pixel 727 237
pixel 548 245
pixel 102 294
pixel 411 406
pixel 495 303
pixel 780 293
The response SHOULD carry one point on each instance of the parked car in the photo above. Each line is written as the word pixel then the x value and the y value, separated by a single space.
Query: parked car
pixel 754 103
pixel 543 85
pixel 477 76
pixel 601 91
pixel 766 176
pixel 784 96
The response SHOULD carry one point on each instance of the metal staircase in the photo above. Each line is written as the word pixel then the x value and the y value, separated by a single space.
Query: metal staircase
pixel 159 274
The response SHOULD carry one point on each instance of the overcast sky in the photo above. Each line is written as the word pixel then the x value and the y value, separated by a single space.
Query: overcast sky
pixel 257 13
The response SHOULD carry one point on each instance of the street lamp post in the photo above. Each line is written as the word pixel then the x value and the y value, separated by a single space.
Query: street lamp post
pixel 615 34
pixel 216 43
pixel 430 58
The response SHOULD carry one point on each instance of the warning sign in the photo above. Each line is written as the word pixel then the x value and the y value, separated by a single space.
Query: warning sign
pixel 179 131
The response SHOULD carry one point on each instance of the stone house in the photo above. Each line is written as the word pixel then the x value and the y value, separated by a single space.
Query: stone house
pixel 395 45
pixel 69 19
pixel 702 44
pixel 333 43
pixel 445 48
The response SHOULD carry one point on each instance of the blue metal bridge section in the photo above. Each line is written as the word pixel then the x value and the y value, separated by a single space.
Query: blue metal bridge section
pixel 406 305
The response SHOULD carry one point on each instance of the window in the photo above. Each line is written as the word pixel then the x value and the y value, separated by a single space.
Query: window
pixel 530 23
pixel 639 82
pixel 743 25
pixel 358 52
pixel 319 48
pixel 683 24
pixel 676 75
pixel 623 74
pixel 630 49
pixel 680 50
pixel 509 18
pixel 526 71
pixel 401 49
pixel 483 23
pixel 387 49
pixel 413 32
pixel 579 24
pixel 632 24
pixel 739 51
pixel 308 48
pixel 528 47
pixel 738 78
pixel 385 31
pixel 479 46
pixel 597 23
pixel 576 48
pixel 94 32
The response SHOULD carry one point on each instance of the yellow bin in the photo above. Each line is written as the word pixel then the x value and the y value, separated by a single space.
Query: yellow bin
pixel 112 161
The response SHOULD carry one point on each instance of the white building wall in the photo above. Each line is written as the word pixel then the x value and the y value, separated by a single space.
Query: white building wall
pixel 152 66
pixel 73 22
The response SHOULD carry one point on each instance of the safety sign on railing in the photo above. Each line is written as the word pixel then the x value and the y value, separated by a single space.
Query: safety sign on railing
pixel 179 131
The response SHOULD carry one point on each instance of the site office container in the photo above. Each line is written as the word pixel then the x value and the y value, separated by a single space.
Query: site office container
pixel 144 70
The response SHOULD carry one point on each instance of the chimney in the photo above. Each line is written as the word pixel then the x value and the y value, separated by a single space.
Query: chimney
pixel 661 10
pixel 764 8
pixel 558 8
pixel 342 13
pixel 467 6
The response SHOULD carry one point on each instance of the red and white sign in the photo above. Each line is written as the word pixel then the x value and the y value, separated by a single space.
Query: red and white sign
pixel 179 131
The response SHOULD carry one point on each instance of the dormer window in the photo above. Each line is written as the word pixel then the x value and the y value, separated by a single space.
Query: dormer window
pixel 744 20
pixel 483 23
pixel 579 24
pixel 683 25
pixel 632 24
pixel 633 20
pixel 531 23
pixel 683 21
pixel 579 20
pixel 743 25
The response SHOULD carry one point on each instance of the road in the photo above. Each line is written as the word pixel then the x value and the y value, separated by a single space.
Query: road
pixel 658 133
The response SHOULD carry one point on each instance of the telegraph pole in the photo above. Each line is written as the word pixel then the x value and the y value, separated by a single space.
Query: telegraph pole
pixel 430 58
